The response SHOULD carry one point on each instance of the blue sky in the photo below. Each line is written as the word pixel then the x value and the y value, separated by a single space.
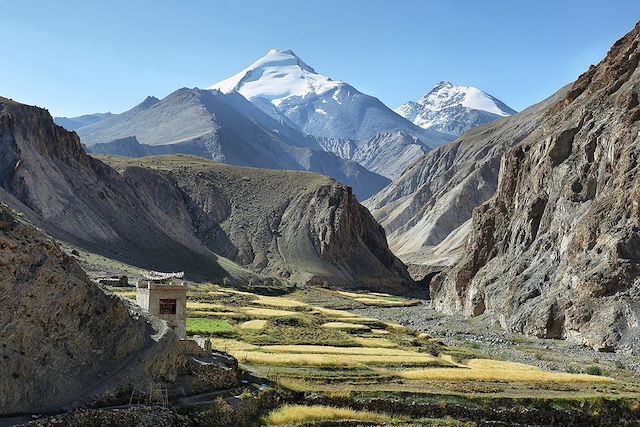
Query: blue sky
pixel 76 57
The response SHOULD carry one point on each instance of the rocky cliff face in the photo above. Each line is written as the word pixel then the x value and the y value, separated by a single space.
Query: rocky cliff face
pixel 555 253
pixel 176 220
pixel 63 340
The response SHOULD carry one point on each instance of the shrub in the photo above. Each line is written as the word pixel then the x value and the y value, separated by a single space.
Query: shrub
pixel 593 370
pixel 298 414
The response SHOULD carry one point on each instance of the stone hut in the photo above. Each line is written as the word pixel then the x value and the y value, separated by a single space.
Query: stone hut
pixel 165 296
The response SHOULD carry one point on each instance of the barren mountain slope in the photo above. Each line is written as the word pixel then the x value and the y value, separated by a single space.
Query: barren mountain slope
pixel 289 224
pixel 437 194
pixel 226 128
pixel 80 199
pixel 63 340
pixel 555 253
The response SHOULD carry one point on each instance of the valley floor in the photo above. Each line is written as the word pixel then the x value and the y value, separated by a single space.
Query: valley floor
pixel 390 360
pixel 398 358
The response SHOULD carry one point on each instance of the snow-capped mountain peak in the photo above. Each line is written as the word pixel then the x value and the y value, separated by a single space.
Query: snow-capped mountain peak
pixel 454 109
pixel 277 76
pixel 285 87
pixel 446 94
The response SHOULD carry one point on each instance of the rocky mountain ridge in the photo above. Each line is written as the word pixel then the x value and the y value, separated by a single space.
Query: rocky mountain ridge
pixel 555 252
pixel 226 128
pixel 387 154
pixel 424 211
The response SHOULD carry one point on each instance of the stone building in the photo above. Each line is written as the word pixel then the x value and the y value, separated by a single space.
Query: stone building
pixel 165 296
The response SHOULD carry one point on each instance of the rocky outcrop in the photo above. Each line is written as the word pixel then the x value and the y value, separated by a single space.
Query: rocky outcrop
pixel 424 210
pixel 186 218
pixel 64 342
pixel 556 252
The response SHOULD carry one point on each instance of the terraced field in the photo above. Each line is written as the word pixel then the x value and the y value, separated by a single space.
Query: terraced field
pixel 311 344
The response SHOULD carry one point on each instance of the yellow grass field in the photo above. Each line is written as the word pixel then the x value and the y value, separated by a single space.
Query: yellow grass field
pixel 298 414
pixel 278 302
pixel 254 325
pixel 235 291
pixel 320 349
pixel 378 299
pixel 499 371
pixel 334 313
pixel 232 345
pixel 375 342
pixel 216 293
pixel 385 302
pixel 268 312
pixel 129 294
pixel 204 306
pixel 222 314
pixel 332 360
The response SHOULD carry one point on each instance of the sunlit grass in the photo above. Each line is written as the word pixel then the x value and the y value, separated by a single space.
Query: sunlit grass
pixel 325 349
pixel 217 293
pixel 254 325
pixel 298 414
pixel 386 302
pixel 279 302
pixel 499 371
pixel 237 292
pixel 231 345
pixel 334 313
pixel 129 294
pixel 375 342
pixel 333 360
pixel 218 314
pixel 204 306
pixel 269 312
pixel 378 299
